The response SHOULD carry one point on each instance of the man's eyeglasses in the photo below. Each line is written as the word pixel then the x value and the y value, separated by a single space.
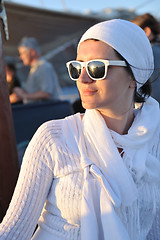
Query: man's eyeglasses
pixel 96 69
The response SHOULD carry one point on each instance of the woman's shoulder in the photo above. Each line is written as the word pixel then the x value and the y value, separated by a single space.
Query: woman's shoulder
pixel 56 129
pixel 57 138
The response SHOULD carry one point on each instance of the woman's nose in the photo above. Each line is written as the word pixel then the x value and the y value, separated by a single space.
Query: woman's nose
pixel 84 77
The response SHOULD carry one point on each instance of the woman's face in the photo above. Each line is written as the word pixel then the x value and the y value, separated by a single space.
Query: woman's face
pixel 115 92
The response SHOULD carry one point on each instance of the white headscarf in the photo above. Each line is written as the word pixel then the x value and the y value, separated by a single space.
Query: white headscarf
pixel 130 41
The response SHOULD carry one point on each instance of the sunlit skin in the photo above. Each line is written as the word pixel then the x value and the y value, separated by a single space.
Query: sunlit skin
pixel 9 74
pixel 113 96
pixel 9 77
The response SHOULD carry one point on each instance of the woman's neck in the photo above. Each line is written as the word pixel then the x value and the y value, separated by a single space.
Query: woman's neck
pixel 119 123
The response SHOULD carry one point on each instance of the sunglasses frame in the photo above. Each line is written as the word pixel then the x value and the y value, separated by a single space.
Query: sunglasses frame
pixel 106 64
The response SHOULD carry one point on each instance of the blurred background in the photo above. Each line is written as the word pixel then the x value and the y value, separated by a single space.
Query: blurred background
pixel 58 25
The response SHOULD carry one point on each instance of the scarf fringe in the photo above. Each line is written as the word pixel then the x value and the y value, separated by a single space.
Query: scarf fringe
pixel 140 216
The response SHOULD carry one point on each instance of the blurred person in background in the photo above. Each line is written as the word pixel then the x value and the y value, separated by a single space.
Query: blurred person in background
pixel 151 26
pixel 12 82
pixel 42 81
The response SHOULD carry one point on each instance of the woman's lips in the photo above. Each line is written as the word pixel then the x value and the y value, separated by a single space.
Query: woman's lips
pixel 88 92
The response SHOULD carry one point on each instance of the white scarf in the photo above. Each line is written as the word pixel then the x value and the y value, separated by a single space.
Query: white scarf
pixel 108 184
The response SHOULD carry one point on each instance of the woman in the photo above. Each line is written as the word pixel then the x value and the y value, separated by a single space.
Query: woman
pixel 97 173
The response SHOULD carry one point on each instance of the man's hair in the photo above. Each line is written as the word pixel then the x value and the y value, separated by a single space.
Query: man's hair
pixel 147 20
pixel 30 43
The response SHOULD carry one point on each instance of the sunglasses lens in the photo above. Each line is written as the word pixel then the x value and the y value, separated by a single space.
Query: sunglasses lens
pixel 75 70
pixel 96 69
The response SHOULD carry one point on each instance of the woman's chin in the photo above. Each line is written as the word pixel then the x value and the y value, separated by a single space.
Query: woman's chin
pixel 87 105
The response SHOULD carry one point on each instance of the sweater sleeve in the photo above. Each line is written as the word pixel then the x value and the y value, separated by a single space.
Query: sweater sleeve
pixel 35 179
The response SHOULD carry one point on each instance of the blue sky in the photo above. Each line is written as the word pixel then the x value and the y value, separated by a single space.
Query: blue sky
pixel 142 6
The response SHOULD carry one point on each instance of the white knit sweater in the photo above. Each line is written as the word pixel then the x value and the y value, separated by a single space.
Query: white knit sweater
pixel 51 170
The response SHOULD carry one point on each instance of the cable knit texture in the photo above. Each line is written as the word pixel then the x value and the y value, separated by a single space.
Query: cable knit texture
pixel 51 170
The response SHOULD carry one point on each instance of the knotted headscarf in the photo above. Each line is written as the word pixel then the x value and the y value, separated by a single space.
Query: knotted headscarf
pixel 130 41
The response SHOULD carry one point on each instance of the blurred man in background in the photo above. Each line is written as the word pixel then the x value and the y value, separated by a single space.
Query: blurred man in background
pixel 42 82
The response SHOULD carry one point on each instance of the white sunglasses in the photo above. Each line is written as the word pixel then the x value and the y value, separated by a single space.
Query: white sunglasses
pixel 96 69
